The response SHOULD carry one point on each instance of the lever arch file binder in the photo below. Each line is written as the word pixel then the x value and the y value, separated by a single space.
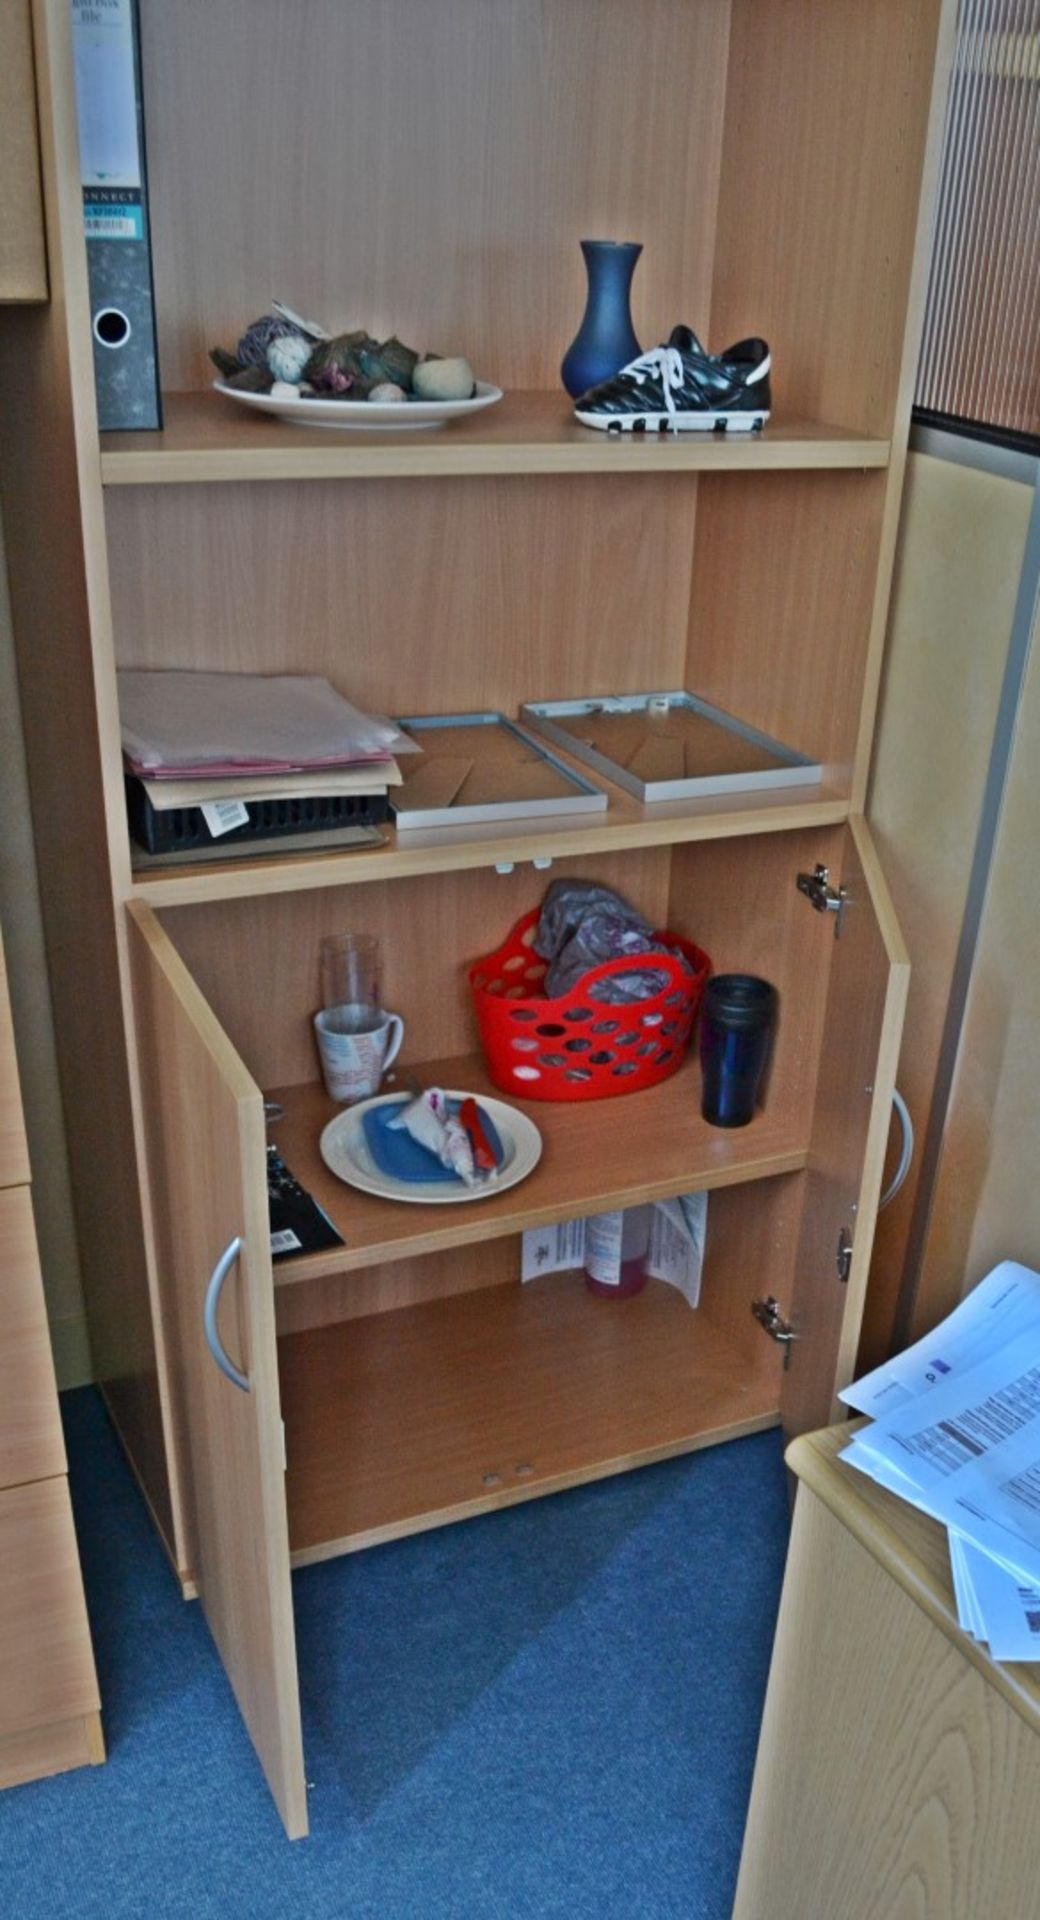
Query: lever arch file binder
pixel 106 46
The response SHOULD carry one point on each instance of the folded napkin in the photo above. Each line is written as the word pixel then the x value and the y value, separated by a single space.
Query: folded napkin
pixel 430 1122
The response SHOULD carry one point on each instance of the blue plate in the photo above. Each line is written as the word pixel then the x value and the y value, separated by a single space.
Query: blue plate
pixel 400 1157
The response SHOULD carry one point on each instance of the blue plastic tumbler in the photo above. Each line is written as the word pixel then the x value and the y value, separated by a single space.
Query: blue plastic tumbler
pixel 738 1014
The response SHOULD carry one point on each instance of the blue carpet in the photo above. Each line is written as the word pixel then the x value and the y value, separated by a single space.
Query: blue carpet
pixel 550 1711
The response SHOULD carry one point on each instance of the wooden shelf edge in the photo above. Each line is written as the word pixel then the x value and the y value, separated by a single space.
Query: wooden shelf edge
pixel 458 850
pixel 533 1489
pixel 207 440
pixel 593 1135
pixel 469 1226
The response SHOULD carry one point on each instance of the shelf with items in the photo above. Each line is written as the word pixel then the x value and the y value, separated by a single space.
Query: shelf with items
pixel 255 962
pixel 404 1420
pixel 596 1154
pixel 516 589
pixel 625 826
pixel 206 439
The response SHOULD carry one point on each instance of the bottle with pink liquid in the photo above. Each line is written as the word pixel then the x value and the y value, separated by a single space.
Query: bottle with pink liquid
pixel 616 1247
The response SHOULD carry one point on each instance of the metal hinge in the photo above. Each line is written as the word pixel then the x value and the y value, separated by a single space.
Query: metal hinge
pixel 769 1316
pixel 817 889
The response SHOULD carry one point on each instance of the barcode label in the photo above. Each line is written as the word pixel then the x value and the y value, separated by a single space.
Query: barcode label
pixel 113 219
pixel 111 226
pixel 223 815
pixel 285 1242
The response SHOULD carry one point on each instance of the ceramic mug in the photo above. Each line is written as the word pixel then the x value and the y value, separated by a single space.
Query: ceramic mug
pixel 356 1044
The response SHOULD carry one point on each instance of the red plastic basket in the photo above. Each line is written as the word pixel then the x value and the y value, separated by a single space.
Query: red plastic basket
pixel 576 1047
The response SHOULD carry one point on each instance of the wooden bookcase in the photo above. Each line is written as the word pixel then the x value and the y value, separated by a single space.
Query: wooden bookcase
pixel 429 166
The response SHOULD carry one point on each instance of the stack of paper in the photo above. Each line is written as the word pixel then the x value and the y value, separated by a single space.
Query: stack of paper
pixel 217 741
pixel 182 726
pixel 957 1434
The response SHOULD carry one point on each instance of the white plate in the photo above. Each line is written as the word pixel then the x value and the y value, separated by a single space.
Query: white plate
pixel 404 415
pixel 344 1150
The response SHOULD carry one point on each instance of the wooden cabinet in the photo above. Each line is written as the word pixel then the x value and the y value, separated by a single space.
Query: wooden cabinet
pixel 48 1690
pixel 23 252
pixel 899 1766
pixel 776 160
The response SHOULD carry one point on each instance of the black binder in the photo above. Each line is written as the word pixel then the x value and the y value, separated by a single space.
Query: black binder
pixel 106 44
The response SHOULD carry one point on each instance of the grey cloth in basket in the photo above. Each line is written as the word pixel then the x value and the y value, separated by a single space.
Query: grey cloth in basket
pixel 581 926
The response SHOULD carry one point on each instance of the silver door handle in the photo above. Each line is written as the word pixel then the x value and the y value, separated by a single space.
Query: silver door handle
pixel 212 1307
pixel 906 1151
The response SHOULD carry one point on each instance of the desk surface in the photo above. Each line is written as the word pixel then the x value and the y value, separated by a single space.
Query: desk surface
pixel 911 1548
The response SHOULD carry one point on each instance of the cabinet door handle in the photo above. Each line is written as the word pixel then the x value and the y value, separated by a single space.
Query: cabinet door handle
pixel 209 1315
pixel 906 1150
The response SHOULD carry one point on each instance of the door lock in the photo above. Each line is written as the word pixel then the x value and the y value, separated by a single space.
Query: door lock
pixel 843 1256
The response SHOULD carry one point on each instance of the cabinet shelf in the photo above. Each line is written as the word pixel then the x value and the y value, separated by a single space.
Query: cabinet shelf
pixel 489 1398
pixel 596 1154
pixel 626 825
pixel 207 438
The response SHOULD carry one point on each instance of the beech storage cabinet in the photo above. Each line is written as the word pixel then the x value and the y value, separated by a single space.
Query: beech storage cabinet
pixel 776 158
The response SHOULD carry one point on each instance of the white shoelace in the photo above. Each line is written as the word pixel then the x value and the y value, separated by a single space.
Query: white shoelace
pixel 666 363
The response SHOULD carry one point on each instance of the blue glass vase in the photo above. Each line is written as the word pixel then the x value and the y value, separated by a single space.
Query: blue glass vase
pixel 605 341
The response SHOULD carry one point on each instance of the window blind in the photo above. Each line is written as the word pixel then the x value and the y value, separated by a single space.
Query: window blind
pixel 980 356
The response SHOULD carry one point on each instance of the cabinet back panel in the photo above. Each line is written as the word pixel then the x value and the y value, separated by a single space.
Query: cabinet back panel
pixel 751 1242
pixel 331 1298
pixel 428 169
pixel 826 115
pixel 412 597
pixel 257 960
pixel 749 1251
pixel 778 557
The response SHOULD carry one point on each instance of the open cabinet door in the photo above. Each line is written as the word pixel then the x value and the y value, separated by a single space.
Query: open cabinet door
pixel 866 999
pixel 205 1135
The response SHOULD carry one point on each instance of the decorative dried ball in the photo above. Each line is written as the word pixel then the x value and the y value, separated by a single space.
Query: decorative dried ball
pixel 288 355
pixel 443 380
pixel 387 390
pixel 252 348
pixel 285 390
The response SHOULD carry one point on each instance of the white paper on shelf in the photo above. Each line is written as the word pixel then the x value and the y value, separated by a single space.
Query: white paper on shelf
pixel 675 1253
pixel 972 1448
pixel 553 1249
pixel 177 718
pixel 1008 1612
pixel 1003 1305
pixel 374 777
pixel 969 1612
pixel 858 1455
pixel 677 1235
pixel 993 1601
pixel 876 1467
pixel 984 1607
